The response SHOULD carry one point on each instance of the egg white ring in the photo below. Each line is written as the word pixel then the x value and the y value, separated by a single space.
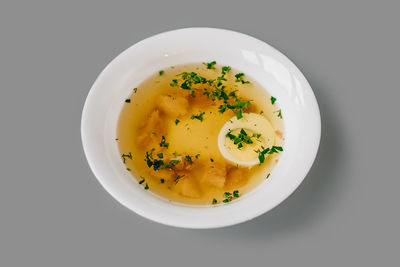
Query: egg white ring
pixel 246 122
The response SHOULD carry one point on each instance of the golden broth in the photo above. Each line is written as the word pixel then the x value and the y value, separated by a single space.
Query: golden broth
pixel 190 126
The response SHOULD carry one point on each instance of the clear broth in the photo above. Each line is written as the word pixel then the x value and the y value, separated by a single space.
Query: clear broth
pixel 190 137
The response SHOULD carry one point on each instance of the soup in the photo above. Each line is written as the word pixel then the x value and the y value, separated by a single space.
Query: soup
pixel 200 133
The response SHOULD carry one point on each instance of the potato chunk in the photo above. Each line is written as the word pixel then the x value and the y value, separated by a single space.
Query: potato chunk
pixel 151 131
pixel 187 187
pixel 215 175
pixel 173 106
pixel 236 177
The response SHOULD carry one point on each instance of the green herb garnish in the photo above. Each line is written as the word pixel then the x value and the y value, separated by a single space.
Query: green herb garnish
pixel 162 180
pixel 160 155
pixel 174 83
pixel 279 113
pixel 146 187
pixel 198 117
pixel 210 65
pixel 228 197
pixel 241 138
pixel 214 201
pixel 163 142
pixel 264 151
pixel 177 121
pixel 161 72
pixel 218 89
pixel 225 69
pixel 237 107
pixel 240 78
pixel 256 135
pixel 127 100
pixel 158 164
pixel 190 78
pixel 135 90
pixel 125 156
pixel 273 99
pixel 141 181
pixel 188 159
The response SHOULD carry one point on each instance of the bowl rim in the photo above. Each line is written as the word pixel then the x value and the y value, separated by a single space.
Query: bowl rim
pixel 306 168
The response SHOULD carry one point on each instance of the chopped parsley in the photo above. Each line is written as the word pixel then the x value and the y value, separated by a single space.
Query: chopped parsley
pixel 240 78
pixel 268 176
pixel 125 156
pixel 127 100
pixel 146 187
pixel 135 90
pixel 161 72
pixel 197 156
pixel 163 142
pixel 190 78
pixel 273 99
pixel 141 181
pixel 210 65
pixel 160 155
pixel 237 107
pixel 162 180
pixel 198 117
pixel 225 70
pixel 188 159
pixel 228 197
pixel 279 113
pixel 159 164
pixel 241 138
pixel 264 151
pixel 256 135
pixel 218 89
pixel 128 169
pixel 214 201
pixel 211 159
pixel 174 83
pixel 177 121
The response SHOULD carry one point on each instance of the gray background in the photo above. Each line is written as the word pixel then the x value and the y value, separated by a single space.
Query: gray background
pixel 55 213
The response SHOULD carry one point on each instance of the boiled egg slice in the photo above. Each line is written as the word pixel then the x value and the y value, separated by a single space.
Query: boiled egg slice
pixel 236 147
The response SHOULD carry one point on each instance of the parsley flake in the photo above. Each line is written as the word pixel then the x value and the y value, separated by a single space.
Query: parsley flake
pixel 198 117
pixel 210 65
pixel 125 156
pixel 163 142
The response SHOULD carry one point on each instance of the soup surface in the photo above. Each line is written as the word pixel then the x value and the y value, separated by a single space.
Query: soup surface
pixel 169 126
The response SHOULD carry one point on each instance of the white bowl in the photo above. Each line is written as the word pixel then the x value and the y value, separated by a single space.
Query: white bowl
pixel 274 71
